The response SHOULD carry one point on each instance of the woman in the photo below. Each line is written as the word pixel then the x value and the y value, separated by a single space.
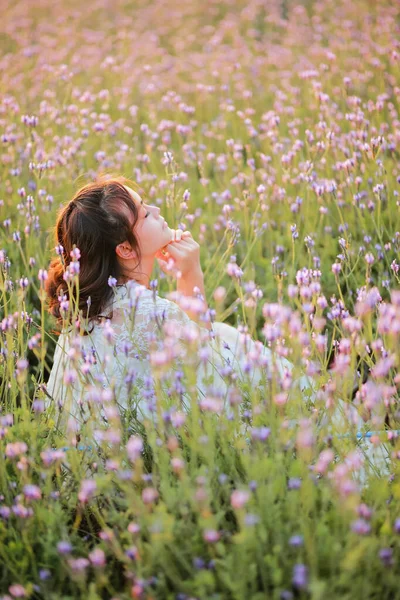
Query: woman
pixel 108 238
pixel 128 343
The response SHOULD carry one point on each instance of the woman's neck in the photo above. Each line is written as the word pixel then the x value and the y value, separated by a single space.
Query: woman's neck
pixel 141 274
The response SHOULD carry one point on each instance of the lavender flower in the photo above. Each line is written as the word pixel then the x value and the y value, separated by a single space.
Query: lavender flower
pixel 300 576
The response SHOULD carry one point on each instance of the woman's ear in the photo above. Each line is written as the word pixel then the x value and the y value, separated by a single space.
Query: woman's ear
pixel 125 251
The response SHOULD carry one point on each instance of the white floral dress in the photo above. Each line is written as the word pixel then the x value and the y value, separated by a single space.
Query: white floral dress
pixel 128 354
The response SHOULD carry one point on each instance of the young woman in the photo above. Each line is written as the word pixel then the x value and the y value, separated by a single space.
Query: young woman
pixel 128 340
pixel 109 238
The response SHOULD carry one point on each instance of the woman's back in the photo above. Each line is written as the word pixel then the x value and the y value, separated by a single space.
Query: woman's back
pixel 141 338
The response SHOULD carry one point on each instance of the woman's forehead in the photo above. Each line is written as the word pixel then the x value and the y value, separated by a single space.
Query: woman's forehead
pixel 134 194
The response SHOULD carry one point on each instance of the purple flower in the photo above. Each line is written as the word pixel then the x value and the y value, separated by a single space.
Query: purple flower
pixel 44 574
pixel 294 483
pixel 234 270
pixel 386 556
pixel 361 527
pixel 32 492
pixel 260 433
pixel 300 576
pixel 132 552
pixel 396 526
pixel 64 547
pixel 251 519
pixel 199 563
pixel 38 405
pixel 296 541
pixel 5 512
pixel 364 511
pixel 369 258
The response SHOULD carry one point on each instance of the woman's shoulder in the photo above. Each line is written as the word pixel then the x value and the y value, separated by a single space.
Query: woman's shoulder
pixel 133 295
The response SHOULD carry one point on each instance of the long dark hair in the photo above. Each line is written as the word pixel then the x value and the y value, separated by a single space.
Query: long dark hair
pixel 94 221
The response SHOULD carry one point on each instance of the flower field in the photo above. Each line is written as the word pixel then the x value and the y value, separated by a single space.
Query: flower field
pixel 271 131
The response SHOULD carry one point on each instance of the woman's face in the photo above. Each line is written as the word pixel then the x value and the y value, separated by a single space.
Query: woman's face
pixel 151 229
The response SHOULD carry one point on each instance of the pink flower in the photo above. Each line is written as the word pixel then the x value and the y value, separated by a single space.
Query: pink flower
pixel 211 536
pixel 78 564
pixel 133 528
pixel 367 301
pixel 336 268
pixel 50 456
pixel 239 498
pixel 305 436
pixel 210 404
pixel 281 398
pixel 15 449
pixel 178 419
pixel 149 495
pixel 324 459
pixel 75 254
pixel 383 367
pixel 88 487
pixel 233 270
pixel 97 558
pixel 43 275
pixel 220 294
pixel 341 364
pixel 177 464
pixel 134 447
pixel 17 590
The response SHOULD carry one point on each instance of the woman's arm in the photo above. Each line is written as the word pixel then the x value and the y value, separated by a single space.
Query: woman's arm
pixel 185 286
pixel 185 256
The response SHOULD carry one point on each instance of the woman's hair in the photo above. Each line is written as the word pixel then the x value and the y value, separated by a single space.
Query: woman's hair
pixel 95 222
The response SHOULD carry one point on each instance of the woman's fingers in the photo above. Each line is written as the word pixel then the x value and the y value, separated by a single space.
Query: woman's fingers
pixel 173 250
pixel 183 243
pixel 178 235
pixel 179 239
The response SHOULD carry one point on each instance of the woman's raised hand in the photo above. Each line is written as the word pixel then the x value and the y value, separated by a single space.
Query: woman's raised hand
pixel 181 255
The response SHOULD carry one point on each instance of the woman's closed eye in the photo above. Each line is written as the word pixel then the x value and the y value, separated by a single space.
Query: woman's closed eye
pixel 147 214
